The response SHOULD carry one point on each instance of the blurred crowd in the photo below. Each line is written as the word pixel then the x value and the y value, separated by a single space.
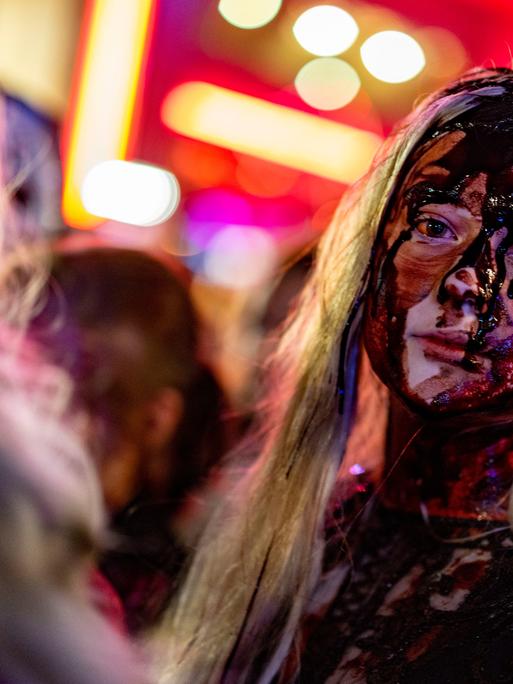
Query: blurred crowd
pixel 115 429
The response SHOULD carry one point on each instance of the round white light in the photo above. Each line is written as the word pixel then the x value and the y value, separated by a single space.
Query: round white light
pixel 392 56
pixel 325 30
pixel 239 256
pixel 130 192
pixel 327 83
pixel 249 14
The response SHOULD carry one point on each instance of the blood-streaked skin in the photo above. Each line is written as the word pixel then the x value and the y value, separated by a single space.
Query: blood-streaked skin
pixel 439 333
pixel 439 328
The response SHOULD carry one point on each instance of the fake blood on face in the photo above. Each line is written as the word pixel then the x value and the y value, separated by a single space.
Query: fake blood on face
pixel 441 330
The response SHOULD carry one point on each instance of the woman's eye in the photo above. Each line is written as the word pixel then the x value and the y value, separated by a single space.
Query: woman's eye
pixel 433 228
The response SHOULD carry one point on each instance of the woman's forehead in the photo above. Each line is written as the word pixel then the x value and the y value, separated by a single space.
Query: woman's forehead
pixel 430 163
pixel 464 152
pixel 454 160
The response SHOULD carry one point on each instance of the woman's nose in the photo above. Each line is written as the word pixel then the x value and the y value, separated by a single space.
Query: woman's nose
pixel 462 285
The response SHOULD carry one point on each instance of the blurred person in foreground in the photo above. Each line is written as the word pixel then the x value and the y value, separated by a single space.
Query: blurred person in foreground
pixel 371 539
pixel 51 527
pixel 58 619
pixel 122 324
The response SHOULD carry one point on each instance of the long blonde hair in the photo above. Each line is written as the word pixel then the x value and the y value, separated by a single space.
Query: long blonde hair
pixel 259 558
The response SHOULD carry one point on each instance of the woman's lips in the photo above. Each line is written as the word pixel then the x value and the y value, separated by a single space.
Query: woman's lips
pixel 450 346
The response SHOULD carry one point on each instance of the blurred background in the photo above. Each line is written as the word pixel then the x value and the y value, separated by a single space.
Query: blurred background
pixel 224 132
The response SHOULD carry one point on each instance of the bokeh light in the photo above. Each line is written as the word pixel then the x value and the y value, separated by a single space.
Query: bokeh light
pixel 246 124
pixel 325 30
pixel 327 83
pixel 200 165
pixel 261 179
pixel 209 211
pixel 221 205
pixel 130 192
pixel 104 106
pixel 240 257
pixel 392 56
pixel 324 214
pixel 249 14
pixel 446 56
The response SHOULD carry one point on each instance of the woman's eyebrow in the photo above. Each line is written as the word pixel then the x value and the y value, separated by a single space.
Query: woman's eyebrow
pixel 422 193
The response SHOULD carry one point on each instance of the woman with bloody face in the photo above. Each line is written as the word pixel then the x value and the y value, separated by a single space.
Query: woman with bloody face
pixel 397 565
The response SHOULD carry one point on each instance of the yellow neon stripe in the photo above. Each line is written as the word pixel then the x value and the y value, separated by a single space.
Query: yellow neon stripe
pixel 102 120
pixel 269 131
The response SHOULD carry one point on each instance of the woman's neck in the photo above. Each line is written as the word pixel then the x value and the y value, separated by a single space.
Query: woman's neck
pixel 458 468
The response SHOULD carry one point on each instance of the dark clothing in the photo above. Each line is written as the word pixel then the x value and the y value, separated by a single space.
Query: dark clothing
pixel 414 609
pixel 144 564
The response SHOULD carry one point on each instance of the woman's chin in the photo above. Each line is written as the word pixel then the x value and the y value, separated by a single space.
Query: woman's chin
pixel 435 399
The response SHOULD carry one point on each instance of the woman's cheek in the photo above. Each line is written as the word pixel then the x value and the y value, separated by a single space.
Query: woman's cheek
pixel 418 271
